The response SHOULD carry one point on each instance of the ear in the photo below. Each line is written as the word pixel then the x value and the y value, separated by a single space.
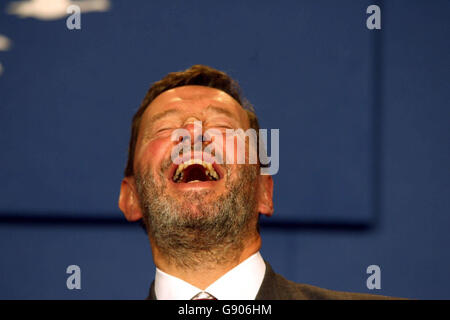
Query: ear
pixel 265 194
pixel 129 200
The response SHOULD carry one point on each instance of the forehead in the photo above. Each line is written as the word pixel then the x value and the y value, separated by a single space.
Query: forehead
pixel 194 100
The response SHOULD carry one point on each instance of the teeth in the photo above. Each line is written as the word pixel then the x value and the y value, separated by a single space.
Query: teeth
pixel 178 176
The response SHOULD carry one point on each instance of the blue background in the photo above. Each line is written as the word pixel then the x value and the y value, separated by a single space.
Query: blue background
pixel 364 139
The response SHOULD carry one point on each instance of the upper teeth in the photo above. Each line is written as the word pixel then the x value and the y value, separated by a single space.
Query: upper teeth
pixel 178 176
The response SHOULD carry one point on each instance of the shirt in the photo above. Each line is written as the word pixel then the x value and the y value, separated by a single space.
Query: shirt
pixel 240 283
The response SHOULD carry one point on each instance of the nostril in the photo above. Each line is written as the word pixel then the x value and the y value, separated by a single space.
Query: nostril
pixel 199 138
pixel 205 139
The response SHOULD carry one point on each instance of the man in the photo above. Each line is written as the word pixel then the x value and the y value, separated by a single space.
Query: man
pixel 202 215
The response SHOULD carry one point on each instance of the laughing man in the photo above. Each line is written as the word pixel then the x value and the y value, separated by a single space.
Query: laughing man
pixel 202 215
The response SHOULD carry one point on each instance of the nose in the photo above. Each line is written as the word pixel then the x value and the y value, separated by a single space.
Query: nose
pixel 195 129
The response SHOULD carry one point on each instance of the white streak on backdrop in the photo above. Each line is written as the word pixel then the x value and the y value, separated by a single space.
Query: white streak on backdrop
pixel 48 10
pixel 5 45
pixel 53 9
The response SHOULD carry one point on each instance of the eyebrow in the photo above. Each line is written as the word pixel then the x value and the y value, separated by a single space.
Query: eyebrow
pixel 221 111
pixel 163 114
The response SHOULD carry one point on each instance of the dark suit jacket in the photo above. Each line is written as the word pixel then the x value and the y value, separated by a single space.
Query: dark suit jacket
pixel 276 287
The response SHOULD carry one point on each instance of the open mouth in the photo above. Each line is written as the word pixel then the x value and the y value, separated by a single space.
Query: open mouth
pixel 195 171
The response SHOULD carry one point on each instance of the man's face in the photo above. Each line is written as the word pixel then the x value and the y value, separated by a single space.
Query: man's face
pixel 199 217
pixel 180 108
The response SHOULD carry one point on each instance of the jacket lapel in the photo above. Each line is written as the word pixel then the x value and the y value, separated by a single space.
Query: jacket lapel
pixel 268 289
pixel 152 293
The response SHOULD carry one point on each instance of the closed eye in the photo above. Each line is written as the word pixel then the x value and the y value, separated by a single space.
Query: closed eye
pixel 163 130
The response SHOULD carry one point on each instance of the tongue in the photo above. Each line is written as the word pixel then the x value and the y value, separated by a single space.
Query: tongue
pixel 194 172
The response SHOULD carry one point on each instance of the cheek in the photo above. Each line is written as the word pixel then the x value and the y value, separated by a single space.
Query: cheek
pixel 154 152
pixel 240 150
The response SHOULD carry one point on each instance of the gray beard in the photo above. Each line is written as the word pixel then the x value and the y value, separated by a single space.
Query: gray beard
pixel 192 232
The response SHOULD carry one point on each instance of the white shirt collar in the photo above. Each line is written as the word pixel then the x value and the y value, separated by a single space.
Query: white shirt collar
pixel 240 283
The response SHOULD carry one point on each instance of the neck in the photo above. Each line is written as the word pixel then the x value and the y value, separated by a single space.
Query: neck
pixel 205 275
